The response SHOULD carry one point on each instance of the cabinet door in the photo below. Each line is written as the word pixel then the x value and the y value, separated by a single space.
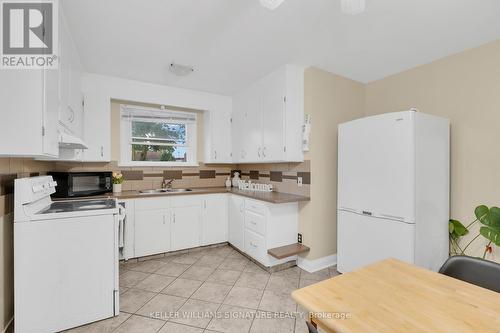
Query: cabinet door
pixel 215 221
pixel 249 127
pixel 152 232
pixel 221 136
pixel 236 221
pixel 96 123
pixel 273 116
pixel 186 227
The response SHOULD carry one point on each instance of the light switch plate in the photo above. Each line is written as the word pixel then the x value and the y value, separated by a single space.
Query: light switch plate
pixel 299 181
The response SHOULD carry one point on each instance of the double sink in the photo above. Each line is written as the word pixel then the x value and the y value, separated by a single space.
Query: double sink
pixel 166 190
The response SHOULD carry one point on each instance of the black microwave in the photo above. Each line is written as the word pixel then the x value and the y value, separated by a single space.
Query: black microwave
pixel 81 184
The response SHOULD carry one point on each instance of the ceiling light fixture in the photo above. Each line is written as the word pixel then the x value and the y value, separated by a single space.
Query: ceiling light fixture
pixel 353 7
pixel 180 70
pixel 271 4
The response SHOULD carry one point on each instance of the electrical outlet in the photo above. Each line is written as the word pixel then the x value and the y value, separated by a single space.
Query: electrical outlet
pixel 299 238
pixel 299 181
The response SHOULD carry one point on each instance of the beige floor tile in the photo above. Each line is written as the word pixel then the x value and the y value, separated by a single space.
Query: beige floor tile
pixel 182 287
pixel 212 292
pixel 300 326
pixel 131 278
pixel 222 251
pixel 172 269
pixel 178 328
pixel 155 283
pixel 267 322
pixel 277 302
pixel 333 271
pixel 138 324
pixel 282 285
pixel 304 283
pixel 257 280
pixel 317 276
pixel 244 297
pixel 196 313
pixel 162 306
pixel 224 276
pixel 134 299
pixel 210 260
pixel 253 267
pixel 236 255
pixel 234 264
pixel 102 326
pixel 187 259
pixel 149 266
pixel 200 273
pixel 292 272
pixel 232 319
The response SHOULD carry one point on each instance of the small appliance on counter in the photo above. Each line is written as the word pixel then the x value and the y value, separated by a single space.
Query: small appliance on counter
pixel 81 184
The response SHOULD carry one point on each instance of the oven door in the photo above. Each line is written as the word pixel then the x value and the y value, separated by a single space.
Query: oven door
pixel 89 183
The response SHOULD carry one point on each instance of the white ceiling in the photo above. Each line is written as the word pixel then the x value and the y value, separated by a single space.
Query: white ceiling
pixel 233 42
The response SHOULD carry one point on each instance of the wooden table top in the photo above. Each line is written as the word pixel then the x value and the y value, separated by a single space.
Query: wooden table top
pixel 393 296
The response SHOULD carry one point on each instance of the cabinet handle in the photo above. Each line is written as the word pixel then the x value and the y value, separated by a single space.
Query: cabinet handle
pixel 102 151
pixel 163 219
pixel 215 154
pixel 253 222
pixel 173 218
pixel 264 151
pixel 71 117
pixel 258 152
pixel 252 244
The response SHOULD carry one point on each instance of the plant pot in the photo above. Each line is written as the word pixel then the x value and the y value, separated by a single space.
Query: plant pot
pixel 117 188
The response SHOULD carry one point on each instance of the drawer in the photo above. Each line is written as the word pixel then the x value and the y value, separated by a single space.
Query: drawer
pixel 255 222
pixel 255 245
pixel 256 207
pixel 152 203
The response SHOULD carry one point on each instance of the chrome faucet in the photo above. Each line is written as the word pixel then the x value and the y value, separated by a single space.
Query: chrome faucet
pixel 167 184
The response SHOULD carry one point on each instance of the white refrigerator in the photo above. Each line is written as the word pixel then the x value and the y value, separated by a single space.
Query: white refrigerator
pixel 393 190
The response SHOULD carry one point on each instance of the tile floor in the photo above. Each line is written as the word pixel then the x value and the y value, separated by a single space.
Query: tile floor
pixel 208 290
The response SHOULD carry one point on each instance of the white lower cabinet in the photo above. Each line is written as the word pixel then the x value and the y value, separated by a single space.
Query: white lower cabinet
pixel 186 227
pixel 215 219
pixel 175 223
pixel 237 222
pixel 152 232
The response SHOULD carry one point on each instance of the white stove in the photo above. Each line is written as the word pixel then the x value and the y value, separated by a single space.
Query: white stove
pixel 65 258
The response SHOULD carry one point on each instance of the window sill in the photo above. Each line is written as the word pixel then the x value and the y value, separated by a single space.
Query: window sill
pixel 157 164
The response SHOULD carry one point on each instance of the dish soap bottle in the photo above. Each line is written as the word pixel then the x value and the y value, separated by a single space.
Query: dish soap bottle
pixel 228 182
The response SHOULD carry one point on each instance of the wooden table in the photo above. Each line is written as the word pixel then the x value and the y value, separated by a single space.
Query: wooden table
pixel 393 296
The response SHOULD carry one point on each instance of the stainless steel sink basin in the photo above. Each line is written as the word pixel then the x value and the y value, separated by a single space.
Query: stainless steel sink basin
pixel 161 190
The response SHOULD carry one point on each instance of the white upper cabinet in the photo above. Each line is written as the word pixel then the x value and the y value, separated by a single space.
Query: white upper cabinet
pixel 217 127
pixel 96 122
pixel 70 85
pixel 268 118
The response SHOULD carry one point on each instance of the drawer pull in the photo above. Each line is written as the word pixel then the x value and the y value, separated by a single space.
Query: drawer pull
pixel 253 222
pixel 252 244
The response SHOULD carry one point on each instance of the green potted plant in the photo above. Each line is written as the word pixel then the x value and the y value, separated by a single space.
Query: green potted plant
pixel 117 182
pixel 489 220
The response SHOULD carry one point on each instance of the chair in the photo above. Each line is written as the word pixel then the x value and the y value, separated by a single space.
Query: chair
pixel 477 271
pixel 311 328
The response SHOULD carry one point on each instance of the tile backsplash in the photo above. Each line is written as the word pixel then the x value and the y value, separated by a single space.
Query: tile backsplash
pixel 283 176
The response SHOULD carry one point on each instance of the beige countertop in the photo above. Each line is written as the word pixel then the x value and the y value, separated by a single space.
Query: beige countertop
pixel 272 197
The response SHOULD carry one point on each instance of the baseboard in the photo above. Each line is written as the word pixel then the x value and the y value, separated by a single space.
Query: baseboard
pixel 6 328
pixel 315 265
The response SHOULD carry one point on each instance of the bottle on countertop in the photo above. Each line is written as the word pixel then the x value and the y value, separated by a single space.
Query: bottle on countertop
pixel 236 179
pixel 228 182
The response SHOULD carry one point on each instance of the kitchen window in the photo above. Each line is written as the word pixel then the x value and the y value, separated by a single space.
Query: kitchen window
pixel 157 137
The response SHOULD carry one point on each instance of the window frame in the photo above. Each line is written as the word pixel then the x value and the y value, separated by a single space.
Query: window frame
pixel 126 140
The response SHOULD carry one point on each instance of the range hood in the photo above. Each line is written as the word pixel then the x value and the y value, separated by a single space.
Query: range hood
pixel 69 141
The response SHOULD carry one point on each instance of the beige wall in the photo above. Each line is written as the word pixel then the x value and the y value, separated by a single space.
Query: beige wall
pixel 466 89
pixel 329 99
